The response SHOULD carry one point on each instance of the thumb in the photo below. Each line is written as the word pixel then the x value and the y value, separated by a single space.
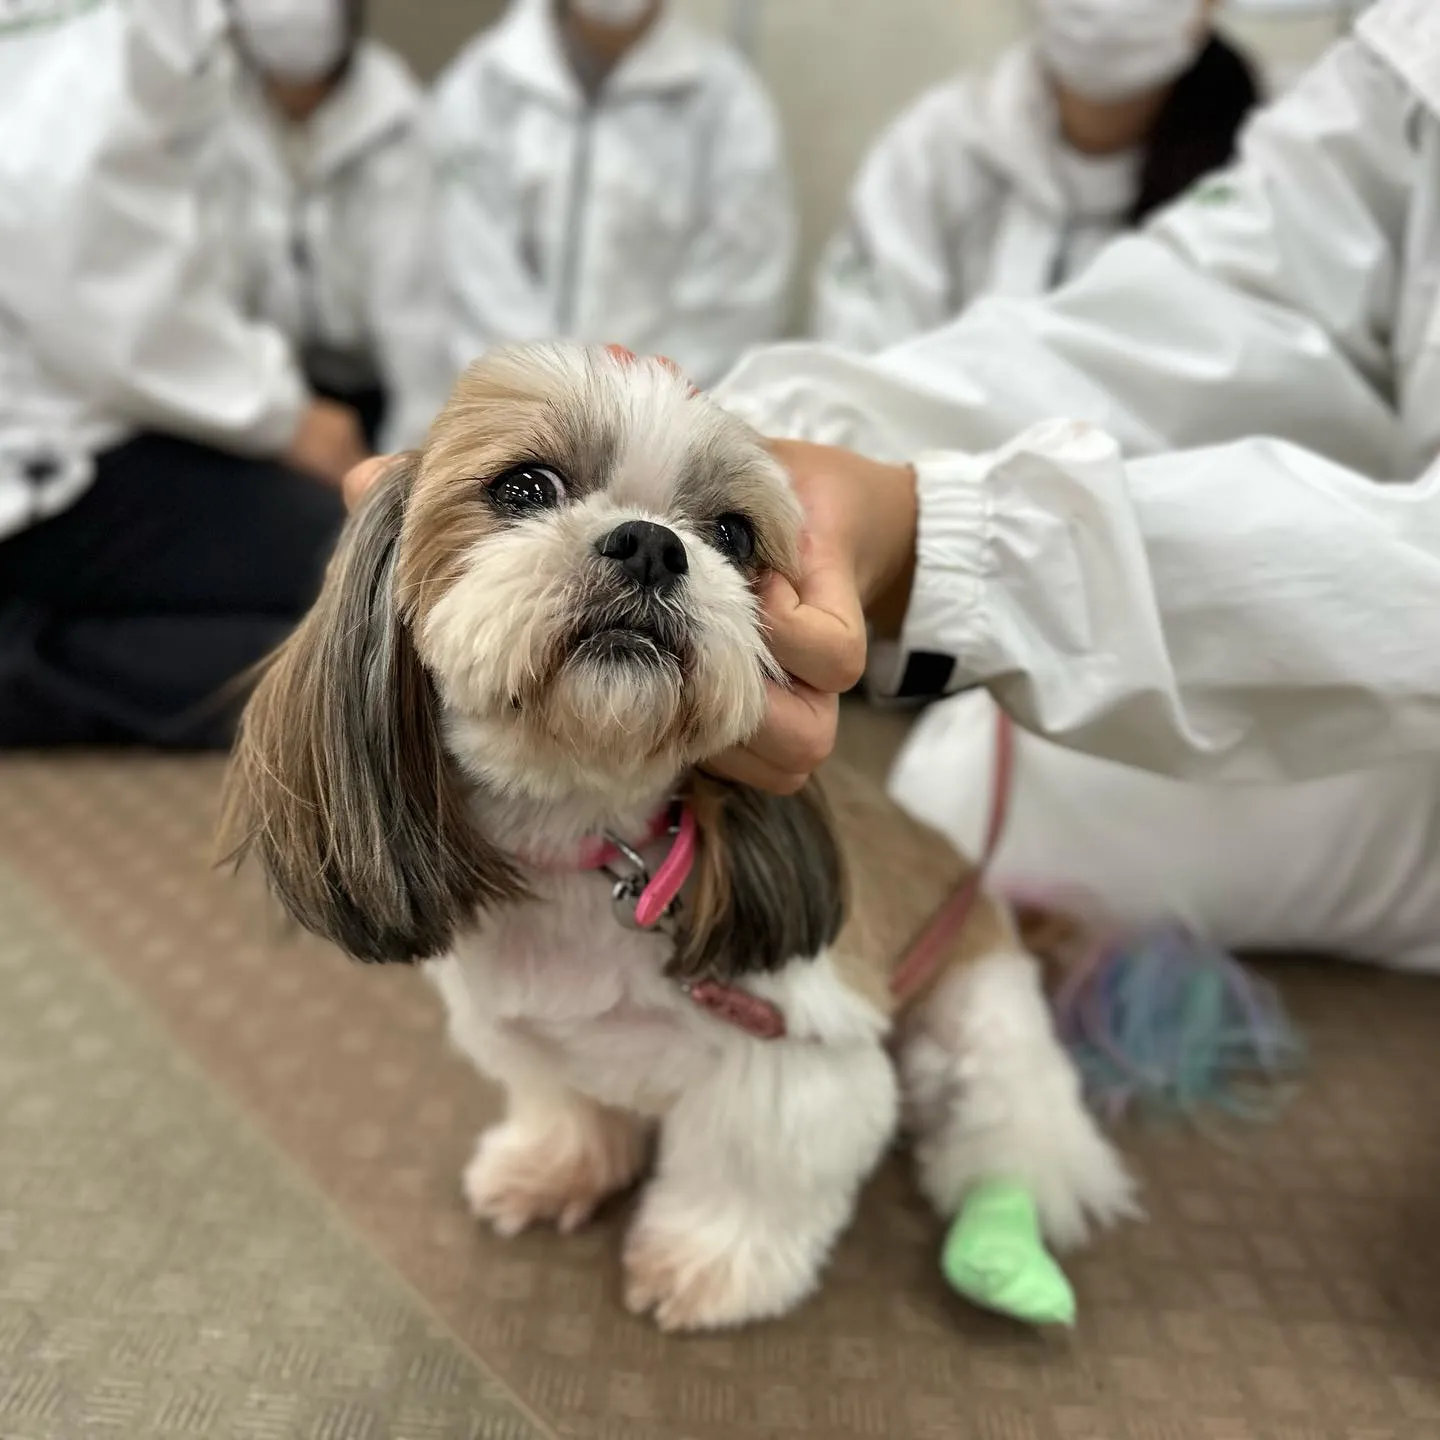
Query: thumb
pixel 359 478
pixel 817 627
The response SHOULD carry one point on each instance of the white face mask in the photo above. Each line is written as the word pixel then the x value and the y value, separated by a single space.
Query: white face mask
pixel 1112 49
pixel 611 12
pixel 295 40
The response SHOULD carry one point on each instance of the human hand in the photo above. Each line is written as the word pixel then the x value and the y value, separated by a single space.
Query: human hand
pixel 856 558
pixel 328 442
pixel 360 478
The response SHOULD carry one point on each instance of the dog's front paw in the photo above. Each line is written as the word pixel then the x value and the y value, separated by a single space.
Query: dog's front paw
pixel 558 1167
pixel 715 1275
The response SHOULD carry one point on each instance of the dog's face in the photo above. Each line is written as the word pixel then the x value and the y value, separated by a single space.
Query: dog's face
pixel 577 564
pixel 557 594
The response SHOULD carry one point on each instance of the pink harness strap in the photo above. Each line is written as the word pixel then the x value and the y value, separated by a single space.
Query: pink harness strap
pixel 750 1012
pixel 746 1011
pixel 765 1021
pixel 918 967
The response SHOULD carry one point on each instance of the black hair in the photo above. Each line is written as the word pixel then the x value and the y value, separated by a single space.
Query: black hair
pixel 1197 127
pixel 356 17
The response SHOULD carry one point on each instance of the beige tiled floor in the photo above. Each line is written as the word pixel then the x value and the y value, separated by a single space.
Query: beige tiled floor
pixel 164 1271
pixel 1285 1290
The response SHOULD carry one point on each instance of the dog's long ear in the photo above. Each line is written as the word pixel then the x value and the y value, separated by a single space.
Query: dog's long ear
pixel 340 783
pixel 770 881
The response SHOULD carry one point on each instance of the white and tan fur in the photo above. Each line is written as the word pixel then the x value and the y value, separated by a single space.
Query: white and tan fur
pixel 444 730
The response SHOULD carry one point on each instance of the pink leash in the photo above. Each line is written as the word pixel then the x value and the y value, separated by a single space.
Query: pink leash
pixel 918 967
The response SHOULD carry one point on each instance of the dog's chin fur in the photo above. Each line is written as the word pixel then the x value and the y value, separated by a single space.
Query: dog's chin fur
pixel 618 715
pixel 608 749
pixel 478 692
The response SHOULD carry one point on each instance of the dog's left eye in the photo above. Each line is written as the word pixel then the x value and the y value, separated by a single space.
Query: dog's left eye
pixel 735 538
pixel 526 488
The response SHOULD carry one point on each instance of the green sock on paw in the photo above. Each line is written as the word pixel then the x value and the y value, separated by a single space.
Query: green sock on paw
pixel 994 1256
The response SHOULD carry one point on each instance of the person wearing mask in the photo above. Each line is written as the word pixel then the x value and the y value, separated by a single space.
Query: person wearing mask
pixel 332 185
pixel 610 174
pixel 168 487
pixel 1008 181
pixel 1221 567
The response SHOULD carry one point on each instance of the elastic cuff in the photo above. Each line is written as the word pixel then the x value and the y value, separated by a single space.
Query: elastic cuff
pixel 944 631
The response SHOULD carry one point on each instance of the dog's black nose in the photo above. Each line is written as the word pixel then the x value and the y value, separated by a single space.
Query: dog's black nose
pixel 653 556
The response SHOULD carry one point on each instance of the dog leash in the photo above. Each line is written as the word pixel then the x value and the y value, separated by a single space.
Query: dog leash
pixel 923 958
pixel 645 902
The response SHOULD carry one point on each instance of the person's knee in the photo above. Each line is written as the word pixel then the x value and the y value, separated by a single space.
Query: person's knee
pixel 319 515
pixel 304 534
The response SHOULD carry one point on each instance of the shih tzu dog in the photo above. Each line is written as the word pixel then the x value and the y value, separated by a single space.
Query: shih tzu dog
pixel 479 750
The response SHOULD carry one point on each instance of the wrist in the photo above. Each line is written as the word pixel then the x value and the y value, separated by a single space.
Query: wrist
pixel 885 561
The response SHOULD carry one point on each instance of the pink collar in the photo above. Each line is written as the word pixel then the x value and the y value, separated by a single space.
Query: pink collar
pixel 659 891
pixel 599 854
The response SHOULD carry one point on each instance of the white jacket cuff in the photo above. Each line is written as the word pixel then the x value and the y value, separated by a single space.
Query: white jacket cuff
pixel 944 641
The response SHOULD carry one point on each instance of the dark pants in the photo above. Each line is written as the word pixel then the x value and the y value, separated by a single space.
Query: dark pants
pixel 127 618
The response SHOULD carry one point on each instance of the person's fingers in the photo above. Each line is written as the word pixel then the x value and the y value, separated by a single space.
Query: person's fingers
pixel 817 632
pixel 359 478
pixel 745 768
pixel 798 734
pixel 800 727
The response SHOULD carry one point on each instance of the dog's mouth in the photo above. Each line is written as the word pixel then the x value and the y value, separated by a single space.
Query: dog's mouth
pixel 630 635
pixel 622 644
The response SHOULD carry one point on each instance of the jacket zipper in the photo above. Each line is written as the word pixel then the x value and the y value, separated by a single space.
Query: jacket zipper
pixel 567 296
pixel 1060 261
pixel 300 257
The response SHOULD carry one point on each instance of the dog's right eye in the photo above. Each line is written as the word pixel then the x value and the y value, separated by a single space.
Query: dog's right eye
pixel 524 489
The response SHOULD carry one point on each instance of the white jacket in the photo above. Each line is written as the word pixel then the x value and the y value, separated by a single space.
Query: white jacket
pixel 117 310
pixel 659 217
pixel 970 192
pixel 342 255
pixel 1226 562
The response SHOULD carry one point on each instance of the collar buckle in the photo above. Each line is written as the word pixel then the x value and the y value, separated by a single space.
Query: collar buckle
pixel 629 886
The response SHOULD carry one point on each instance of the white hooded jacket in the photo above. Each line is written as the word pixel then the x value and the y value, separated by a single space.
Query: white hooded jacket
pixel 117 307
pixel 1224 562
pixel 341 252
pixel 658 216
pixel 970 192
